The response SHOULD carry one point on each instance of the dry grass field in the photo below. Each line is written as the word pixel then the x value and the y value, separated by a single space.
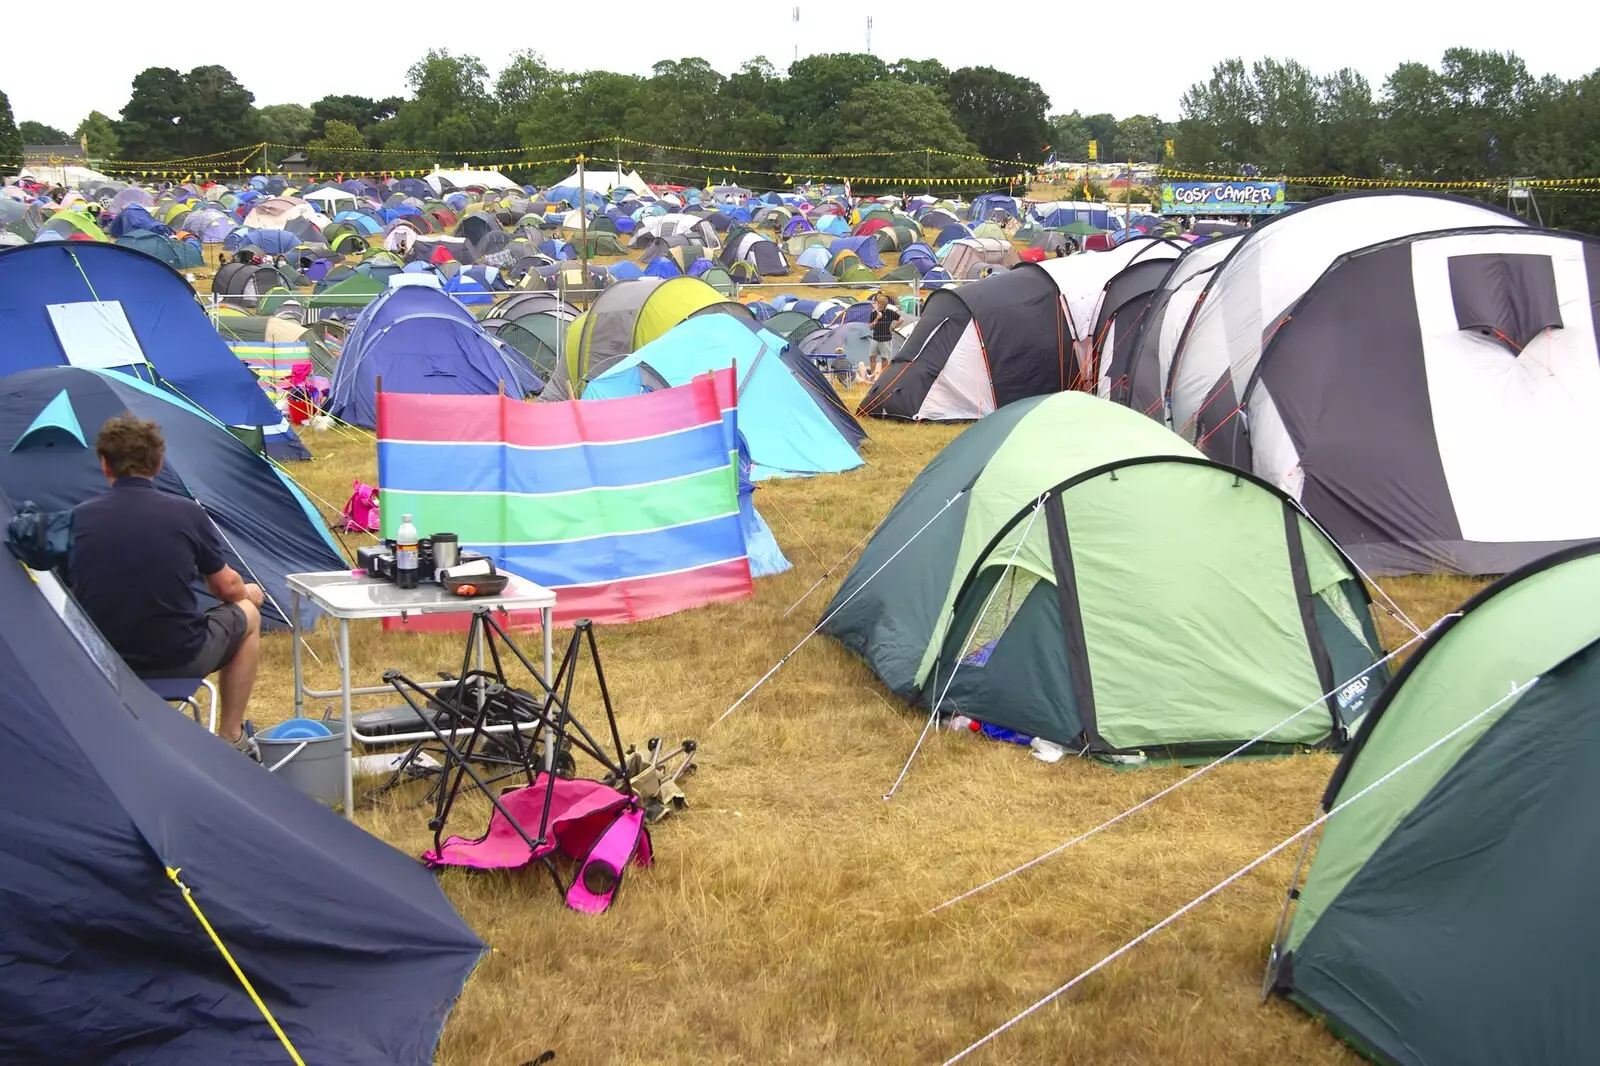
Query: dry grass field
pixel 785 920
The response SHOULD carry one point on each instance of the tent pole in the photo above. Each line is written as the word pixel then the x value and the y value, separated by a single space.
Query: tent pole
pixel 583 224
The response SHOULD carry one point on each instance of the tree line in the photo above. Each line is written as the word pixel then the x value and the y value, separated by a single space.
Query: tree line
pixel 1476 115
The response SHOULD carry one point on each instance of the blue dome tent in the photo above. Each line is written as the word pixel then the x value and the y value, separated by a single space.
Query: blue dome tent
pixel 418 339
pixel 49 419
pixel 127 311
pixel 129 806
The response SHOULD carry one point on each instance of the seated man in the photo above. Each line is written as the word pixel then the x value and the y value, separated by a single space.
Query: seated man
pixel 137 555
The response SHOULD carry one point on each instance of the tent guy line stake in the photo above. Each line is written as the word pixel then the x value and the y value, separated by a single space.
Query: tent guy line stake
pixel 933 714
pixel 1181 782
pixel 1516 690
pixel 829 616
pixel 832 568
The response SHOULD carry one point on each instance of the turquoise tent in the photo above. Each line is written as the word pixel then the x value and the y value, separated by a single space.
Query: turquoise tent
pixel 787 427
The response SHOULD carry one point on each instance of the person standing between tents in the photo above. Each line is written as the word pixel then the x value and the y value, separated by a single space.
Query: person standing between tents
pixel 882 322
pixel 138 554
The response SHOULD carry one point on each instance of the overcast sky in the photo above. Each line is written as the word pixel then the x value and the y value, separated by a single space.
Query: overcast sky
pixel 1075 57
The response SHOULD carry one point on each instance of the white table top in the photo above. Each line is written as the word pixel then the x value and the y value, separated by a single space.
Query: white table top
pixel 344 596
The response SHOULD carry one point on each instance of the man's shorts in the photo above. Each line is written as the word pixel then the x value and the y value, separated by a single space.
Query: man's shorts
pixel 226 627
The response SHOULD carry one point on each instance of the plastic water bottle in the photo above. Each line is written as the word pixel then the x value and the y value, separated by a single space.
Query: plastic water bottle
pixel 405 554
pixel 962 724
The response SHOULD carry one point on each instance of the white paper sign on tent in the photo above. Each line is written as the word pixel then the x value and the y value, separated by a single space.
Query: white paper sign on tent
pixel 95 334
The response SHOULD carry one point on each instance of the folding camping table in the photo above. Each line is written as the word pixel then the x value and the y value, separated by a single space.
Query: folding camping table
pixel 345 597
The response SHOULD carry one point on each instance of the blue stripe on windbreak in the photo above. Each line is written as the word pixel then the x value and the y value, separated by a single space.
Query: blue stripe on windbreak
pixel 432 467
pixel 620 556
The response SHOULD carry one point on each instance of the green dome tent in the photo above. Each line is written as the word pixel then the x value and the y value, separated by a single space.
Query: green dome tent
pixel 1100 584
pixel 1448 916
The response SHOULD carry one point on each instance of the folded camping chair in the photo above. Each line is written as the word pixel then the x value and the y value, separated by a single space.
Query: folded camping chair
pixel 182 690
pixel 599 828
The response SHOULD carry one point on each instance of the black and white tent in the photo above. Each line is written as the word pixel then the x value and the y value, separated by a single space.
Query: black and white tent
pixel 1432 400
pixel 1266 271
pixel 1135 374
pixel 979 347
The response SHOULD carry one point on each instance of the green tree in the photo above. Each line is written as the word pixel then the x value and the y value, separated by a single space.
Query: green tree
pixel 1141 138
pixel 101 133
pixel 1002 114
pixel 1347 118
pixel 816 87
pixel 1217 120
pixel 363 113
pixel 1103 131
pixel 930 72
pixel 10 139
pixel 1069 137
pixel 218 112
pixel 450 107
pixel 901 117
pixel 753 93
pixel 151 117
pixel 339 149
pixel 1285 97
pixel 38 133
pixel 285 123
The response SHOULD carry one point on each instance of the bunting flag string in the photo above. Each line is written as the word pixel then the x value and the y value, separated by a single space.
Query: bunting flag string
pixel 1346 181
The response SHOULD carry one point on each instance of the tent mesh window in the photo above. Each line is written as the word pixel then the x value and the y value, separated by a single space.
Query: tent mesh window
pixel 1010 592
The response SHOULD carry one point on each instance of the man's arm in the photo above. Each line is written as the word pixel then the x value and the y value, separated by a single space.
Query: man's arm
pixel 227 586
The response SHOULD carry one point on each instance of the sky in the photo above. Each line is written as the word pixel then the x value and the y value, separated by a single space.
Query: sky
pixel 1172 47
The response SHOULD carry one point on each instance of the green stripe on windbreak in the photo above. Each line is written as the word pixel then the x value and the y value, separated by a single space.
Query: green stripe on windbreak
pixel 493 518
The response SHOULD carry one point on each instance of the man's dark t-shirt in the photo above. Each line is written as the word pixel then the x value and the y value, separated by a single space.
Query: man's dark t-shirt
pixel 883 323
pixel 137 555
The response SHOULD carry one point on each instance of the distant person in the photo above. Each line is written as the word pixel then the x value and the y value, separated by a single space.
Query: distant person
pixel 138 555
pixel 882 322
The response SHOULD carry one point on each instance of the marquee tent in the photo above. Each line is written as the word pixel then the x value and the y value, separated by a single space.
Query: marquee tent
pixel 1070 570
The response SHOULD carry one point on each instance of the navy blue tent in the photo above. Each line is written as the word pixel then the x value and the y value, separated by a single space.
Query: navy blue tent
pixel 351 945
pixel 865 247
pixel 986 204
pixel 271 241
pixel 49 419
pixel 134 218
pixel 418 339
pixel 170 331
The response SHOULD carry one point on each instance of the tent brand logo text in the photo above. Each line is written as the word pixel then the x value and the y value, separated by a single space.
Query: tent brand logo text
pixel 1354 691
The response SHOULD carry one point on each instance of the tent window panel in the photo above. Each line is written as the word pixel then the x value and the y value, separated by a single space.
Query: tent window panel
pixel 95 334
pixel 1008 593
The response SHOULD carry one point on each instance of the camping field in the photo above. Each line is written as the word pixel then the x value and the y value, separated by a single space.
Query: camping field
pixel 785 920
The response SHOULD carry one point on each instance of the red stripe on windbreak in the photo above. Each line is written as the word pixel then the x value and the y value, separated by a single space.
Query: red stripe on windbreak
pixel 653 414
pixel 492 419
pixel 415 416
pixel 631 600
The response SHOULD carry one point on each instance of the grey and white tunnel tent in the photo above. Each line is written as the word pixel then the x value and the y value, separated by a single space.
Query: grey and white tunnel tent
pixel 1447 918
pixel 979 347
pixel 1135 374
pixel 1082 281
pixel 1451 424
pixel 1247 296
pixel 1123 304
pixel 1099 583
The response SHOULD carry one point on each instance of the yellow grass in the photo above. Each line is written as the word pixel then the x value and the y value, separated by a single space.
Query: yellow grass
pixel 784 921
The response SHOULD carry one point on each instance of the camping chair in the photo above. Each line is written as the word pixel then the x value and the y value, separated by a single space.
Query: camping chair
pixel 182 690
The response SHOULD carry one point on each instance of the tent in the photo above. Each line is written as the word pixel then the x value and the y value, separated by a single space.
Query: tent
pixel 1082 281
pixel 268 527
pixel 104 306
pixel 627 316
pixel 978 347
pixel 1447 914
pixel 784 423
pixel 1266 271
pixel 757 250
pixel 1446 426
pixel 1098 583
pixel 791 325
pixel 418 339
pixel 124 800
pixel 865 248
pixel 969 257
pixel 1137 372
